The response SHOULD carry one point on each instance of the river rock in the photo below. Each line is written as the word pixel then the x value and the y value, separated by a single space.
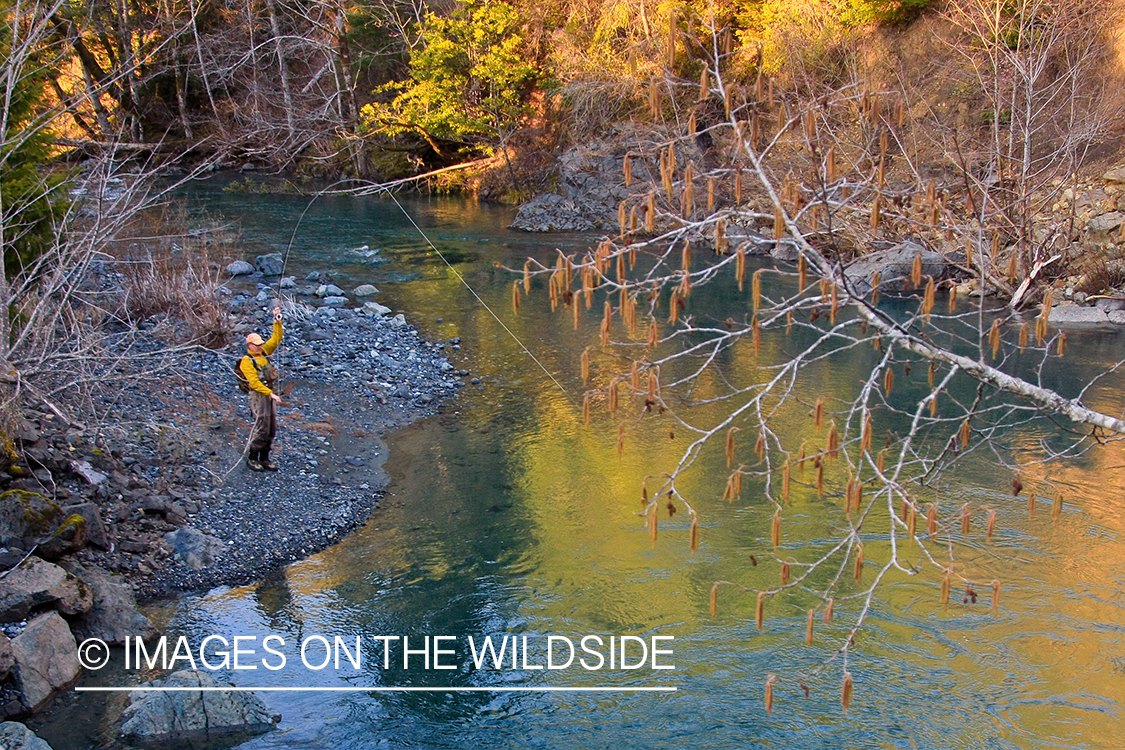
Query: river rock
pixel 329 290
pixel 25 516
pixel 15 736
pixel 196 549
pixel 287 282
pixel 91 476
pixel 38 584
pixel 270 265
pixel 69 537
pixel 1106 223
pixel 1117 174
pixel 114 614
pixel 95 528
pixel 46 659
pixel 365 290
pixel 334 301
pixel 184 715
pixel 374 308
pixel 7 658
pixel 1078 315
pixel 894 266
pixel 240 268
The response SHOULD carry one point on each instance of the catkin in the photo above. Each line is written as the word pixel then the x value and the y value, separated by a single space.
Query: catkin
pixel 714 600
pixel 585 366
pixel 994 337
pixel 652 523
pixel 932 521
pixel 769 693
pixel 586 409
pixel 1056 510
pixel 802 273
pixel 730 446
pixel 818 413
pixel 515 298
pixel 693 535
pixel 991 527
pixel 785 481
pixel 916 271
pixel 809 628
pixel 527 277
pixel 756 289
pixel 775 530
pixel 889 380
pixel 627 168
pixel 928 299
pixel 759 611
pixel 966 516
pixel 995 596
pixel 785 574
pixel 964 434
pixel 946 585
pixel 828 610
pixel 859 561
pixel 847 691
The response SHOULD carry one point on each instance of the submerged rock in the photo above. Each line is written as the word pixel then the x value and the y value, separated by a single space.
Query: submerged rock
pixel 180 715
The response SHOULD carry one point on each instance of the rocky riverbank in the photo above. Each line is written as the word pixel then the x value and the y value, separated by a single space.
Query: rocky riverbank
pixel 150 498
pixel 1084 260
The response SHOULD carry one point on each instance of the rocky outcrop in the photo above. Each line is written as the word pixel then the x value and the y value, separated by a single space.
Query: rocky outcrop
pixel 25 517
pixel 15 736
pixel 177 716
pixel 113 615
pixel 46 659
pixel 37 584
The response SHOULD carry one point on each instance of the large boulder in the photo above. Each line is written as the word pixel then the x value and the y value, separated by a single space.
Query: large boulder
pixel 194 548
pixel 38 584
pixel 174 716
pixel 240 268
pixel 46 658
pixel 895 267
pixel 114 615
pixel 25 517
pixel 270 265
pixel 15 736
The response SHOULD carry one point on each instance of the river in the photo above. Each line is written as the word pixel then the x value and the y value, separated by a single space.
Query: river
pixel 508 516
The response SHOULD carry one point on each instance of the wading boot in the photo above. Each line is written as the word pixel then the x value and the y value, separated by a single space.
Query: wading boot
pixel 266 464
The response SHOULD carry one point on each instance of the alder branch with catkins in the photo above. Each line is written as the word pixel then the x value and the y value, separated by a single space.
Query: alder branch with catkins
pixel 821 178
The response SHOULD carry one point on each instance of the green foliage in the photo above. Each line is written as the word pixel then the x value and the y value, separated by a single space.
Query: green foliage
pixel 469 80
pixel 884 11
pixel 29 199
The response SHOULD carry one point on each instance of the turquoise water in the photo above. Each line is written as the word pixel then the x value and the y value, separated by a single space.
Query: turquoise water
pixel 508 516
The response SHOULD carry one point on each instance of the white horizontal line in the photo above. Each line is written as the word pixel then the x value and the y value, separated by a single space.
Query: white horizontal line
pixel 380 689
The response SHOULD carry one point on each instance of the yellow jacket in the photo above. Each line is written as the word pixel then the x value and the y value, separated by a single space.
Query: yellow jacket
pixel 250 363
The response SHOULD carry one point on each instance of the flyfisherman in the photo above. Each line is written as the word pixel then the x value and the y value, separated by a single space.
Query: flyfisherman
pixel 262 379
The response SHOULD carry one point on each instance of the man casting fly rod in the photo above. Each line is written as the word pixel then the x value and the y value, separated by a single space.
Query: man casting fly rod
pixel 260 380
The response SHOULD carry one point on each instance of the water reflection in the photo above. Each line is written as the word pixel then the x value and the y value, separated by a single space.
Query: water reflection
pixel 511 517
